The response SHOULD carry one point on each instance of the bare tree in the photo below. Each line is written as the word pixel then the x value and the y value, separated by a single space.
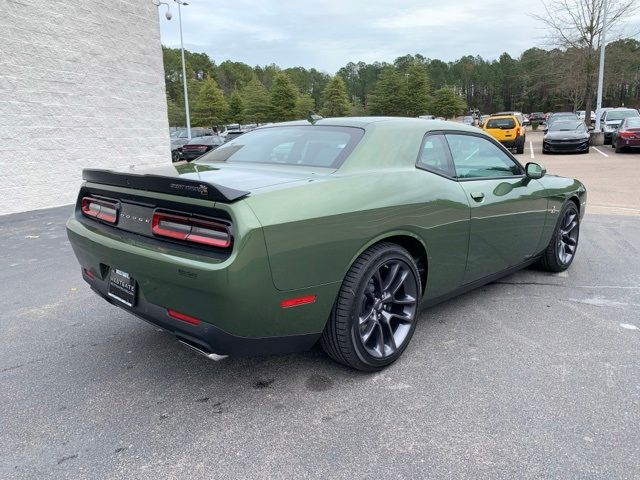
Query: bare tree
pixel 577 25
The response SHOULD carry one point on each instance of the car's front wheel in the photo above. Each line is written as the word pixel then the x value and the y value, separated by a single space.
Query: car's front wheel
pixel 563 245
pixel 374 316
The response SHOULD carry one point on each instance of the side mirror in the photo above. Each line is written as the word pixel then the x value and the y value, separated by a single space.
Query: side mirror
pixel 534 170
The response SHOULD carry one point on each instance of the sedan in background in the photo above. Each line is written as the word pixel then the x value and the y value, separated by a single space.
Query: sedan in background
pixel 539 117
pixel 627 136
pixel 200 146
pixel 566 136
pixel 183 138
pixel 613 118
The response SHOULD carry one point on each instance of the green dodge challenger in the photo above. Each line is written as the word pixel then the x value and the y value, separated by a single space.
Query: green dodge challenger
pixel 336 231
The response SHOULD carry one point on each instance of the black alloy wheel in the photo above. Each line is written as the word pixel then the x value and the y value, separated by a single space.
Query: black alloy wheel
pixel 568 236
pixel 388 308
pixel 561 250
pixel 375 313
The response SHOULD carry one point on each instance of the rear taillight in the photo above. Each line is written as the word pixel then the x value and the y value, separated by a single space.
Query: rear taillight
pixel 518 132
pixel 191 229
pixel 627 134
pixel 105 210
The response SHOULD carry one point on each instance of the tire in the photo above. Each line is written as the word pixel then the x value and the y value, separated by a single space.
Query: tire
pixel 563 240
pixel 520 148
pixel 365 331
pixel 544 152
pixel 175 156
pixel 619 149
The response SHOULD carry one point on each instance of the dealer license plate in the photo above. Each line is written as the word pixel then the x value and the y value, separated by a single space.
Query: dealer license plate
pixel 122 287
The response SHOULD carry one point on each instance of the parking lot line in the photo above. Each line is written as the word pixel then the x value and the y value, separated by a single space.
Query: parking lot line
pixel 600 151
pixel 531 147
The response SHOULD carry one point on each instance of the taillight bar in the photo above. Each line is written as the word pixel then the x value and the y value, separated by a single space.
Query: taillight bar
pixel 100 208
pixel 204 231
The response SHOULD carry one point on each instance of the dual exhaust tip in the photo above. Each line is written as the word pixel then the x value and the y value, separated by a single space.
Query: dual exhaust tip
pixel 198 349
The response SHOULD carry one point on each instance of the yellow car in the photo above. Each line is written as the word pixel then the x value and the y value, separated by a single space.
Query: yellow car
pixel 508 130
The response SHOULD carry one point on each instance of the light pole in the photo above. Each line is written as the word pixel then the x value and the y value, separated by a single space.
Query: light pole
pixel 180 3
pixel 603 42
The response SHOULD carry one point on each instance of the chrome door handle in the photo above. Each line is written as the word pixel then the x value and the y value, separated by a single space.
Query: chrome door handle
pixel 477 196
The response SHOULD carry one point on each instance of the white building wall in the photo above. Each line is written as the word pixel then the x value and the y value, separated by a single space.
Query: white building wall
pixel 81 85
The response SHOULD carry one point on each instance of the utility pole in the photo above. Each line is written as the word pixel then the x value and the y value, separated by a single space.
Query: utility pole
pixel 603 42
pixel 184 69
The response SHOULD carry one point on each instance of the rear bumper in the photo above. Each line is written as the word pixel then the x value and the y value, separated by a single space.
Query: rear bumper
pixel 187 155
pixel 206 337
pixel 630 143
pixel 517 142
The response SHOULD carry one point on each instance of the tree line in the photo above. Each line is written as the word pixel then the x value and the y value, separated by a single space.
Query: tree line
pixel 412 85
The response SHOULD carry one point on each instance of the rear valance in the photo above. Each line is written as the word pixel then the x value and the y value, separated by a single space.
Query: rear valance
pixel 164 184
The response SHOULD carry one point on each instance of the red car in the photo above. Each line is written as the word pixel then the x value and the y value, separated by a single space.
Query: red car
pixel 627 136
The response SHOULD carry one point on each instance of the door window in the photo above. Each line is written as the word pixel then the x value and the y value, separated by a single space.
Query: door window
pixel 477 157
pixel 434 155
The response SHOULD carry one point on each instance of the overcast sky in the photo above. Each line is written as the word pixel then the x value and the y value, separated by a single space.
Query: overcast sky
pixel 326 34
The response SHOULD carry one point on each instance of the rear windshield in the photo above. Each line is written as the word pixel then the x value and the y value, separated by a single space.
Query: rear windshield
pixel 503 123
pixel 633 123
pixel 312 145
pixel 621 114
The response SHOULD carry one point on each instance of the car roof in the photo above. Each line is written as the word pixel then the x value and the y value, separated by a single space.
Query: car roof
pixel 503 115
pixel 381 123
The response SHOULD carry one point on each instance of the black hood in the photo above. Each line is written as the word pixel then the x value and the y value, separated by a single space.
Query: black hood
pixel 566 135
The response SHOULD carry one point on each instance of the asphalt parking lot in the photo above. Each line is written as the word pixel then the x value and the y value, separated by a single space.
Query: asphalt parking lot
pixel 534 376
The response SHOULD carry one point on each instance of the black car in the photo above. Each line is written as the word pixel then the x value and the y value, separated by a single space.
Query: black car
pixel 566 136
pixel 182 139
pixel 200 146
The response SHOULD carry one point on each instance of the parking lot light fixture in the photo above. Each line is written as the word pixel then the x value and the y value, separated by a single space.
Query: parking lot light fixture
pixel 184 69
pixel 603 42
pixel 169 15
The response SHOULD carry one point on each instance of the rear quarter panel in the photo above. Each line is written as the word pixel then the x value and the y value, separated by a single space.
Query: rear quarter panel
pixel 314 232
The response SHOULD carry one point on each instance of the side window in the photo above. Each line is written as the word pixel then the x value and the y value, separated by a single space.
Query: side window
pixel 477 157
pixel 434 155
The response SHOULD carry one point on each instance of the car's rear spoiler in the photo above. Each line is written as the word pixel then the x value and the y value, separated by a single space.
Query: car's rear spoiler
pixel 164 184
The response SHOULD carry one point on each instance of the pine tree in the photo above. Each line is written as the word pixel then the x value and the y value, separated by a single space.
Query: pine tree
pixel 210 108
pixel 236 108
pixel 304 104
pixel 257 103
pixel 283 98
pixel 335 98
pixel 447 103
pixel 388 97
pixel 417 100
pixel 175 113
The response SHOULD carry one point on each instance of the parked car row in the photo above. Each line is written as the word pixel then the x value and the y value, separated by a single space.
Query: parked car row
pixel 203 140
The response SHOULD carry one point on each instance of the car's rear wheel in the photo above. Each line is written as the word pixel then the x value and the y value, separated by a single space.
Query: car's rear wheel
pixel 619 148
pixel 563 245
pixel 374 316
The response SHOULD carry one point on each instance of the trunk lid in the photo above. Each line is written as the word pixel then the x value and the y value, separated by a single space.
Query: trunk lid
pixel 219 182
